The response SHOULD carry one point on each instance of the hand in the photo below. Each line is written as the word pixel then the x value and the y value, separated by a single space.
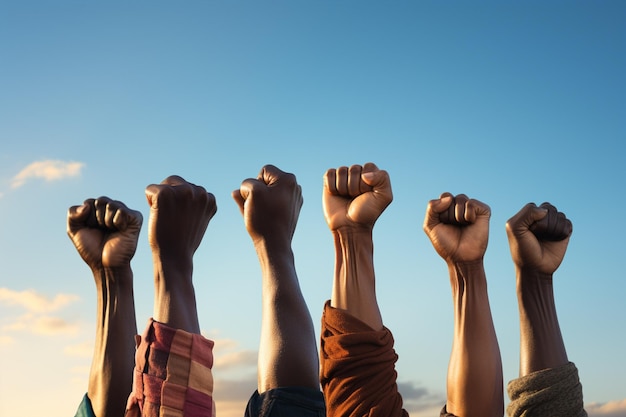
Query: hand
pixel 270 205
pixel 179 215
pixel 104 231
pixel 538 237
pixel 355 197
pixel 458 227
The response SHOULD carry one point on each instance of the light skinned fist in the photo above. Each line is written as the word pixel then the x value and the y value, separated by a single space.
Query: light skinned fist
pixel 355 197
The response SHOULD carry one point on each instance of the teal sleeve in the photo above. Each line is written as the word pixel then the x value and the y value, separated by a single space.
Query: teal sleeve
pixel 84 409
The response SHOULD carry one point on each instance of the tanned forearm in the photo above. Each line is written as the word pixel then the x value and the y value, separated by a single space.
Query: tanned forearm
pixel 354 285
pixel 541 344
pixel 110 378
pixel 475 386
pixel 287 352
pixel 174 294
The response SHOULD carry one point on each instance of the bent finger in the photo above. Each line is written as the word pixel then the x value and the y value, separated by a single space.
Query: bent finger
pixel 341 181
pixel 330 181
pixel 354 180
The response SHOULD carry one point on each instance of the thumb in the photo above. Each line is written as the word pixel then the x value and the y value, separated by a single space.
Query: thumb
pixel 270 174
pixel 443 203
pixel 435 210
pixel 80 213
pixel 151 192
pixel 380 183
pixel 239 200
pixel 520 223
pixel 370 205
pixel 79 216
pixel 247 190
pixel 373 176
pixel 534 214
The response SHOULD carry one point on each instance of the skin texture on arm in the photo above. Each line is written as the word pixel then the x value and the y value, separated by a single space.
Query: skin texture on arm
pixel 179 215
pixel 353 199
pixel 538 239
pixel 270 205
pixel 105 233
pixel 458 228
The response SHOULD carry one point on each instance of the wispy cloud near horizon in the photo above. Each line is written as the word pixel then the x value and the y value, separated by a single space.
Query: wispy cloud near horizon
pixel 47 170
pixel 41 325
pixel 609 409
pixel 37 319
pixel 35 302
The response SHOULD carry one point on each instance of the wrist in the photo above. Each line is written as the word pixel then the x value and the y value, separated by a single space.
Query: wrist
pixel 467 275
pixel 354 284
pixel 114 276
pixel 178 264
pixel 475 264
pixel 353 235
pixel 353 244
pixel 529 274
pixel 173 278
pixel 272 248
pixel 530 280
pixel 274 257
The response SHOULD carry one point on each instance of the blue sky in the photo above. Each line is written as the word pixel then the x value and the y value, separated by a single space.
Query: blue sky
pixel 508 102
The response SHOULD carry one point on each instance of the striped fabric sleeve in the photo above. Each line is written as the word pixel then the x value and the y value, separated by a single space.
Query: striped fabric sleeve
pixel 172 375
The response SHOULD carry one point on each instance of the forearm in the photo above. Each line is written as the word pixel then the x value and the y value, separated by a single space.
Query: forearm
pixel 475 385
pixel 287 352
pixel 354 284
pixel 110 378
pixel 541 342
pixel 278 271
pixel 174 294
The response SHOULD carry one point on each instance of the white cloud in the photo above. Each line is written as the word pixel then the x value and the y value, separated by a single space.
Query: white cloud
pixel 34 302
pixel 41 325
pixel 235 372
pixel 48 170
pixel 53 325
pixel 37 319
pixel 224 344
pixel 610 409
pixel 229 355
